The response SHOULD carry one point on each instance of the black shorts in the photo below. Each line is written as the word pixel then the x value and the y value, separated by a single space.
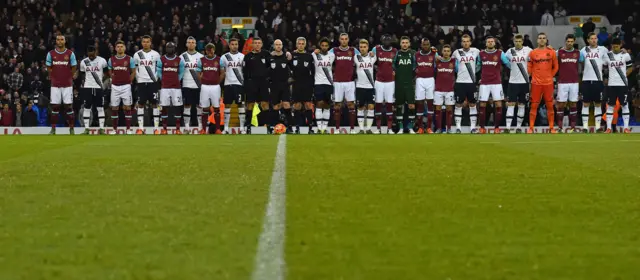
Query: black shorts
pixel 279 92
pixel 323 93
pixel 364 96
pixel 147 92
pixel 92 97
pixel 191 96
pixel 233 93
pixel 592 91
pixel 462 91
pixel 518 93
pixel 617 93
pixel 302 91
pixel 257 90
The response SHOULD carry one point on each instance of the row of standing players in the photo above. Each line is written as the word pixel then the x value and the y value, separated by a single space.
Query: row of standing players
pixel 402 77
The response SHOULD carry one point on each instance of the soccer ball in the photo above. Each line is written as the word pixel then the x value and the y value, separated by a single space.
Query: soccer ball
pixel 279 129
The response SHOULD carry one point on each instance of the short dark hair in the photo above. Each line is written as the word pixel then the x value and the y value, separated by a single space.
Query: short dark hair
pixel 210 46
pixel 119 42
pixel 518 36
pixel 446 46
pixel 489 37
pixel 570 36
pixel 233 40
pixel 91 48
pixel 323 40
pixel 257 38
pixel 591 34
pixel 405 38
pixel 146 37
pixel 616 41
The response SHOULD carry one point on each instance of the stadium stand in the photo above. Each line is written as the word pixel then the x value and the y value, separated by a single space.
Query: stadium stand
pixel 28 29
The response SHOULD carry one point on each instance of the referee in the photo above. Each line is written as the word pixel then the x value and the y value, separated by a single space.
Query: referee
pixel 256 73
pixel 303 79
pixel 280 94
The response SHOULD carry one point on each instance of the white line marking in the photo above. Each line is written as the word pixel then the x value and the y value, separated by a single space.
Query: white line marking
pixel 554 142
pixel 270 263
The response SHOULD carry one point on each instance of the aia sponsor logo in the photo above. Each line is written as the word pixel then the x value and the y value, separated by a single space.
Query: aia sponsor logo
pixel 146 62
pixel 93 69
pixel 616 64
pixel 234 64
pixel 592 55
pixel 467 59
pixel 191 65
pixel 365 65
pixel 324 64
pixel 518 59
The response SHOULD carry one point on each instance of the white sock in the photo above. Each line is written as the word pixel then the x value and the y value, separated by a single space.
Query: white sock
pixel 326 113
pixel 86 117
pixel 227 117
pixel 242 116
pixel 361 119
pixel 186 115
pixel 199 115
pixel 610 116
pixel 473 116
pixel 369 118
pixel 520 119
pixel 100 116
pixel 140 112
pixel 156 117
pixel 319 118
pixel 625 115
pixel 458 117
pixel 598 115
pixel 510 110
pixel 585 116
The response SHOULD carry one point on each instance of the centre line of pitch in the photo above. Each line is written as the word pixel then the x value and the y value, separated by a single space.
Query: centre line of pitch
pixel 270 263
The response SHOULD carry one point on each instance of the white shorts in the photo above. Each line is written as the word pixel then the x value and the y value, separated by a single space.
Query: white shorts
pixel 445 98
pixel 385 92
pixel 567 92
pixel 425 88
pixel 170 97
pixel 495 91
pixel 123 93
pixel 210 96
pixel 344 91
pixel 61 95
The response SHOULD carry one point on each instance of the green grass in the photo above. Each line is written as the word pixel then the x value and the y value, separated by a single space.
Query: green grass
pixel 358 207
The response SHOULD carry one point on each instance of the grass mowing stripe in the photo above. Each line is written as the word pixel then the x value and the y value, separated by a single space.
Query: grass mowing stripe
pixel 270 263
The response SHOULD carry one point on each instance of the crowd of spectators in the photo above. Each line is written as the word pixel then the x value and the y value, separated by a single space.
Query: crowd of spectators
pixel 28 29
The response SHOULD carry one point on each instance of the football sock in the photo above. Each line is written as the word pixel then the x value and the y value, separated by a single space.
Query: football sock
pixel 438 114
pixel 71 120
pixel 55 113
pixel 299 118
pixel 369 118
pixel 156 117
pixel 473 116
pixel 625 115
pixel 216 118
pixel 319 118
pixel 412 117
pixel 533 114
pixel 199 116
pixel 205 119
pixel 140 112
pixel 400 116
pixel 458 117
pixel 337 116
pixel 389 108
pixel 248 115
pixel 361 119
pixel 585 116
pixel 560 117
pixel 186 114
pixel 242 116
pixel 308 115
pixel 178 116
pixel 429 113
pixel 598 116
pixel 127 119
pixel 482 116
pixel 100 116
pixel 227 116
pixel 520 119
pixel 114 119
pixel 497 119
pixel 352 118
pixel 550 114
pixel 288 116
pixel 378 115
pixel 510 110
pixel 326 113
pixel 609 116
pixel 449 117
pixel 419 115
pixel 165 117
pixel 86 117
pixel 573 116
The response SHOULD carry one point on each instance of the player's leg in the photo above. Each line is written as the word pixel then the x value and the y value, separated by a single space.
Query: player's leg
pixel 597 112
pixel 420 96
pixel 208 95
pixel 67 99
pixel 230 95
pixel 165 103
pixel 274 113
pixel 87 102
pixel 497 94
pixel 286 108
pixel 613 93
pixel 411 104
pixel 438 101
pixel 429 95
pixel 263 98
pixel 536 97
pixel 296 98
pixel 188 95
pixel 350 97
pixel 390 99
pixel 360 104
pixel 251 98
pixel 319 96
pixel 587 99
pixel 484 93
pixel 114 103
pixel 177 106
pixel 153 95
pixel 338 97
pixel 308 113
pixel 214 97
pixel 624 104
pixel 561 100
pixel 449 102
pixel 379 100
pixel 547 95
pixel 512 96
pixel 141 101
pixel 459 96
pixel 472 96
pixel 127 102
pixel 573 105
pixel 370 110
pixel 400 101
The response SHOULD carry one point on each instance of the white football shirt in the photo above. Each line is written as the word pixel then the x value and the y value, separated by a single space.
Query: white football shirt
pixel 364 70
pixel 323 63
pixel 94 70
pixel 190 67
pixel 232 64
pixel 467 60
pixel 593 62
pixel 145 63
pixel 618 63
pixel 518 59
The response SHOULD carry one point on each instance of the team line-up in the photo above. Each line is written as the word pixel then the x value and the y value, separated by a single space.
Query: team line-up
pixel 370 81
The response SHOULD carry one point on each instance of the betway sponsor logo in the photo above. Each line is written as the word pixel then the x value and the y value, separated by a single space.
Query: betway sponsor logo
pixel 490 63
pixel 120 68
pixel 170 69
pixel 445 70
pixel 425 64
pixel 64 63
pixel 568 60
pixel 210 68
pixel 344 58
pixel 385 59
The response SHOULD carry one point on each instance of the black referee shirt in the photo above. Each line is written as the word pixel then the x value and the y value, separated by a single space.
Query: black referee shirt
pixel 256 65
pixel 303 67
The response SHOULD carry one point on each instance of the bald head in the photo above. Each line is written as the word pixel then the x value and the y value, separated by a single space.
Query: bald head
pixel 277 45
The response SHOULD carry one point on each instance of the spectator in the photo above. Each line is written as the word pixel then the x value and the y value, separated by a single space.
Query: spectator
pixel 18 115
pixel 603 37
pixel 587 28
pixel 6 116
pixel 560 15
pixel 15 80
pixel 547 19
pixel 527 41
pixel 30 115
pixel 619 34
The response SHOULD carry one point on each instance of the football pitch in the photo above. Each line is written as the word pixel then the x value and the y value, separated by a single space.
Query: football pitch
pixel 371 207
